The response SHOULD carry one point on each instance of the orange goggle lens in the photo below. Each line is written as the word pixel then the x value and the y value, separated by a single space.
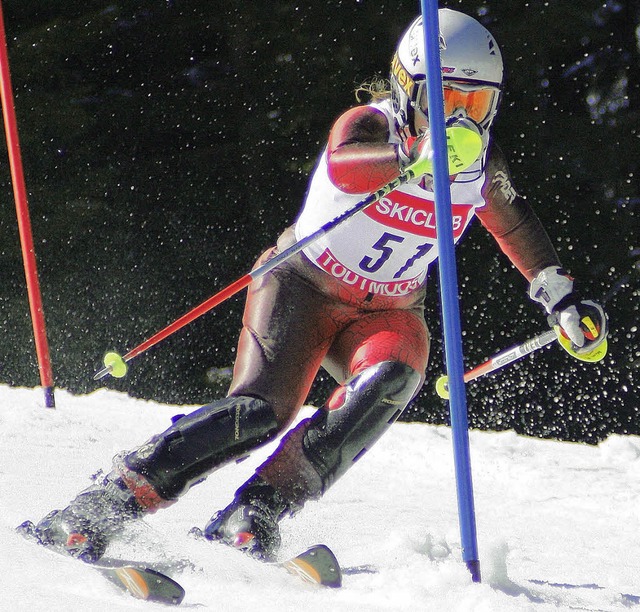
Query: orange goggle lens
pixel 476 103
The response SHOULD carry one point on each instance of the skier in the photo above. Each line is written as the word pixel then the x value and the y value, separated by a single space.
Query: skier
pixel 352 302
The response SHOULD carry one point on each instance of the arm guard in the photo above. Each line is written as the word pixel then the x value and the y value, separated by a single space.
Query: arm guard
pixel 360 157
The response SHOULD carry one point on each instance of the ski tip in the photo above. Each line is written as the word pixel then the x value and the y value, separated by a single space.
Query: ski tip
pixel 27 528
pixel 317 565
pixel 28 531
pixel 145 583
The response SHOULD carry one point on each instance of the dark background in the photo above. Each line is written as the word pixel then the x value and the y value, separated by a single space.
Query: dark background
pixel 167 143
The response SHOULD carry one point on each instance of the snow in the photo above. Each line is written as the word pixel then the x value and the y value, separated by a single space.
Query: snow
pixel 558 523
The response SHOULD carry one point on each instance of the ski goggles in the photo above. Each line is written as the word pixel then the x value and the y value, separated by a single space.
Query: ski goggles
pixel 477 101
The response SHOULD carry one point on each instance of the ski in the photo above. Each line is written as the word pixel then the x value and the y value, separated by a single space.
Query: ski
pixel 143 583
pixel 133 578
pixel 317 565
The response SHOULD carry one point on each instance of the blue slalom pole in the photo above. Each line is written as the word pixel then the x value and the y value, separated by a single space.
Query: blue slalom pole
pixel 449 291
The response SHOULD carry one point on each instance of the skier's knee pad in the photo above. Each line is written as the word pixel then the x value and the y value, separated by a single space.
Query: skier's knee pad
pixel 372 401
pixel 198 443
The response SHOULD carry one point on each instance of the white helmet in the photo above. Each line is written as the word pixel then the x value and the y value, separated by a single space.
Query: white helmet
pixel 471 71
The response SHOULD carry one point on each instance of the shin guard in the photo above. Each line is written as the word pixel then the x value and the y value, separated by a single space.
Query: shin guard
pixel 198 443
pixel 372 401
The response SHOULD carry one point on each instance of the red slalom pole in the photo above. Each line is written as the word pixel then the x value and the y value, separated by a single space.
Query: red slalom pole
pixel 24 221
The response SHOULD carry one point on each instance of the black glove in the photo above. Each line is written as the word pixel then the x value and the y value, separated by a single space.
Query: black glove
pixel 582 324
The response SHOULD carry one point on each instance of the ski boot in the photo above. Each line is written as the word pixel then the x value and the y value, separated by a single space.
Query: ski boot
pixel 250 522
pixel 86 526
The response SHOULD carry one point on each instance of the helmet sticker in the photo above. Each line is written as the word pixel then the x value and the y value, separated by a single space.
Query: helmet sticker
pixel 402 76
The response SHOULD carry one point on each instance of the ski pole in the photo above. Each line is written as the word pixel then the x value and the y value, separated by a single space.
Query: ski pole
pixel 499 360
pixel 116 365
pixel 464 147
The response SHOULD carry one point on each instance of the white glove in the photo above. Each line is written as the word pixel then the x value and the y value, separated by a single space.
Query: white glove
pixel 582 322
